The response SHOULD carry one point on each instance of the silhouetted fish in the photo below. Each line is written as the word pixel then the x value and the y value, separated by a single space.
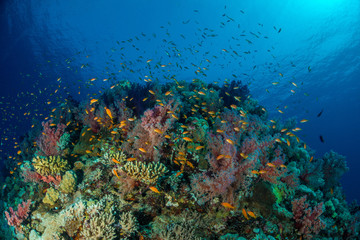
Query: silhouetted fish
pixel 319 114
pixel 322 139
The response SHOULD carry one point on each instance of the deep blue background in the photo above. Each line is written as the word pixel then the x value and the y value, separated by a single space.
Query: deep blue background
pixel 44 40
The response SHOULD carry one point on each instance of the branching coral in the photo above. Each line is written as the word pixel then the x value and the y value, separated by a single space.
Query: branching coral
pixel 15 218
pixel 99 226
pixel 49 139
pixel 52 165
pixel 128 224
pixel 147 173
pixel 307 220
pixel 68 182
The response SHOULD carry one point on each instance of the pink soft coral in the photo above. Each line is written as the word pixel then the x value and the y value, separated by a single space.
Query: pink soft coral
pixel 307 220
pixel 49 138
pixel 15 218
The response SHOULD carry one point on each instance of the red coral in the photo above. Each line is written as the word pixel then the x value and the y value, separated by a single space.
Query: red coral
pixel 49 138
pixel 307 220
pixel 15 218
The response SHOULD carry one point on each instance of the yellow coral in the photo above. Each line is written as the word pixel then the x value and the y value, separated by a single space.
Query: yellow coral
pixel 52 165
pixel 110 155
pixel 147 173
pixel 68 182
pixel 52 195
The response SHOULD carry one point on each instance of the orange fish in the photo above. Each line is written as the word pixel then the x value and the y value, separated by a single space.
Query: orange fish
pixel 142 150
pixel 130 159
pixel 108 112
pixel 190 164
pixel 174 116
pixel 154 189
pixel 227 205
pixel 152 92
pixel 92 101
pixel 199 147
pixel 254 172
pixel 167 93
pixel 270 165
pixel 115 161
pixel 114 171
pixel 245 214
pixel 304 121
pixel 230 141
pixel 251 214
pixel 201 93
pixel 219 157
pixel 158 131
pixel 219 131
pixel 233 106
pixel 187 139
pixel 243 155
pixel 178 174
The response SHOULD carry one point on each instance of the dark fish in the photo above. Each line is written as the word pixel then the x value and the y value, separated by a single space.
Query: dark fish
pixel 309 69
pixel 322 139
pixel 279 30
pixel 319 114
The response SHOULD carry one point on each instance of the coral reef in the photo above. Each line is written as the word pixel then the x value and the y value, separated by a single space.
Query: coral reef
pixel 175 161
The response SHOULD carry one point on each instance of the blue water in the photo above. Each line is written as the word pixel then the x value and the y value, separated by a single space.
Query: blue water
pixel 314 44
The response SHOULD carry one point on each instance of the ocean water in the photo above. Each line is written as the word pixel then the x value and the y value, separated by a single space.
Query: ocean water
pixel 299 60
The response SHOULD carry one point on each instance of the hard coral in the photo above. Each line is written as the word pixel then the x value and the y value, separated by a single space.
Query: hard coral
pixel 147 173
pixel 52 165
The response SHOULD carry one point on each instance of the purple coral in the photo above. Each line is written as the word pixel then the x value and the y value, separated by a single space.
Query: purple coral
pixel 307 220
pixel 49 138
pixel 15 218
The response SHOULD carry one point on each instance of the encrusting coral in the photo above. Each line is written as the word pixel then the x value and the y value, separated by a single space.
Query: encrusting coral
pixel 147 173
pixel 51 165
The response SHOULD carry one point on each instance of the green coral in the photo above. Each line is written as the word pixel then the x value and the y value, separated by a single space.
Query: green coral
pixel 53 165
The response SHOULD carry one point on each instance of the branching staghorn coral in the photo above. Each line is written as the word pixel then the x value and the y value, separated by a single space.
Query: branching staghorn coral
pixel 128 224
pixel 52 165
pixel 147 173
pixel 99 226
pixel 110 155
